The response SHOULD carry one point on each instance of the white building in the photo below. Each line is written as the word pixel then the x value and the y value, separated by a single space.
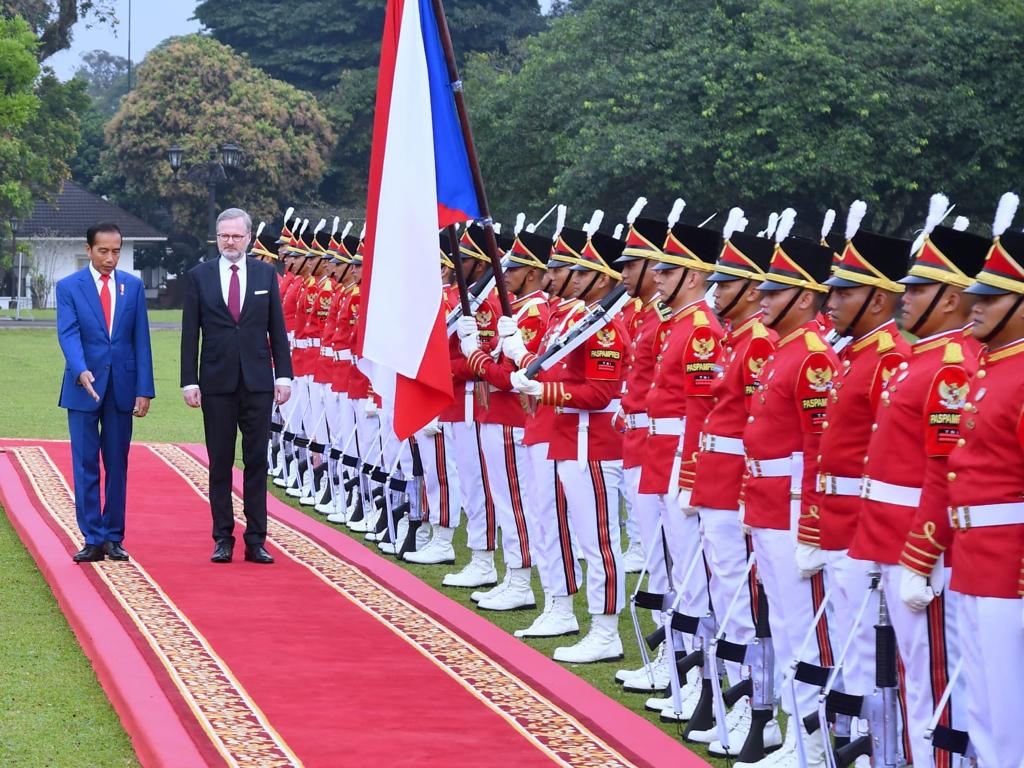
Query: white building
pixel 55 233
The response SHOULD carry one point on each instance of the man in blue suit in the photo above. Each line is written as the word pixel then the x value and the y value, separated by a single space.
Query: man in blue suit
pixel 108 376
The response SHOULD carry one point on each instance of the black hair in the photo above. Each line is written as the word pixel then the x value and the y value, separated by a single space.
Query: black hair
pixel 95 229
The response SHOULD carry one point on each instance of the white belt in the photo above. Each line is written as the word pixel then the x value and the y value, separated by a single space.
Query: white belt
pixel 770 467
pixel 468 403
pixel 671 427
pixel 901 495
pixel 636 420
pixel 326 351
pixel 720 444
pixel 315 341
pixel 831 485
pixel 583 430
pixel 343 354
pixel 987 515
pixel 301 343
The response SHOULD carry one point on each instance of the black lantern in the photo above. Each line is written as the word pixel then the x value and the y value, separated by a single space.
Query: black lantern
pixel 175 155
pixel 230 155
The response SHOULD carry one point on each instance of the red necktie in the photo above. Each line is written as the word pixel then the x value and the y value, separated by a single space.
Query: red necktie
pixel 234 294
pixel 105 299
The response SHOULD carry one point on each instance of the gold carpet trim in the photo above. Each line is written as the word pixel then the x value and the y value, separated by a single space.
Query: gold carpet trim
pixel 553 730
pixel 223 708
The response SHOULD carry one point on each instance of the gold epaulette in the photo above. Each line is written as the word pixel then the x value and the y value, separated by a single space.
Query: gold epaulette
pixel 700 319
pixel 952 354
pixel 758 331
pixel 814 343
pixel 885 342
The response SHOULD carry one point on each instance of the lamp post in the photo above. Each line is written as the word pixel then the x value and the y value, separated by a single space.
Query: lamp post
pixel 211 173
pixel 15 255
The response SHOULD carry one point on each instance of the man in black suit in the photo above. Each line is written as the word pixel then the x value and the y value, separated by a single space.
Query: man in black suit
pixel 235 302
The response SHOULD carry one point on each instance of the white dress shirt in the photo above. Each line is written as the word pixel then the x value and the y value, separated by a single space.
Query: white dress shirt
pixel 225 279
pixel 96 278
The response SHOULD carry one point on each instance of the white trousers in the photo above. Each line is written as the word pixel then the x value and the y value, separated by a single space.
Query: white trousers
pixel 315 426
pixel 929 646
pixel 689 571
pixel 551 538
pixel 792 603
pixel 849 581
pixel 508 481
pixel 630 482
pixel 480 523
pixel 992 641
pixel 646 508
pixel 441 477
pixel 592 495
pixel 727 551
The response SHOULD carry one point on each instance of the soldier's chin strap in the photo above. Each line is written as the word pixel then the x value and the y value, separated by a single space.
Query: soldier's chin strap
pixel 735 299
pixel 848 330
pixel 931 308
pixel 785 310
pixel 583 296
pixel 560 293
pixel 679 285
pixel 1002 323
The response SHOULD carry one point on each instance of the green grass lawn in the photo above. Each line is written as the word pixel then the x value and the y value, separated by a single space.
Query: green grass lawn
pixel 155 315
pixel 58 708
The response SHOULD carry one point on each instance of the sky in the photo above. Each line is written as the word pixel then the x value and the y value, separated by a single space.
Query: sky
pixel 153 21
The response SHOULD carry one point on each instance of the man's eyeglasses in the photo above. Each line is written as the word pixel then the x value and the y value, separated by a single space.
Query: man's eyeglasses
pixel 231 238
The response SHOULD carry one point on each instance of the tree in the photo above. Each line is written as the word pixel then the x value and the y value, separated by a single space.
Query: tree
pixel 105 76
pixel 312 43
pixel 198 93
pixel 52 20
pixel 758 103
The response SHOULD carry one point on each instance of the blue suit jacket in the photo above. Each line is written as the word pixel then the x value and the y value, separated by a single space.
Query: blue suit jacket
pixel 122 358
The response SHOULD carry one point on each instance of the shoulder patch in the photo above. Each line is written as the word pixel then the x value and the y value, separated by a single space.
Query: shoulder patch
pixel 700 360
pixel 814 342
pixel 813 386
pixel 885 342
pixel 663 310
pixel 700 319
pixel 533 311
pixel 943 410
pixel 953 353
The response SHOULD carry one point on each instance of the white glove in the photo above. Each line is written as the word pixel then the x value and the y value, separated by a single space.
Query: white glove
pixel 809 559
pixel 937 580
pixel 432 429
pixel 370 409
pixel 742 515
pixel 520 383
pixel 466 326
pixel 513 347
pixel 914 591
pixel 507 326
pixel 470 343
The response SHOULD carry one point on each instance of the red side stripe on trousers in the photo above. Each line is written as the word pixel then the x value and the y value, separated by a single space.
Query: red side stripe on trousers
pixel 938 668
pixel 512 470
pixel 488 499
pixel 564 536
pixel 824 644
pixel 604 536
pixel 444 500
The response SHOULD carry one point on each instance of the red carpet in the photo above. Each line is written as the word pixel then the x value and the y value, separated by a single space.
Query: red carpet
pixel 331 657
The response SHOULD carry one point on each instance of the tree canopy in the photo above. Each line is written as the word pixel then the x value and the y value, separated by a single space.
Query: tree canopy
pixel 199 94
pixel 53 20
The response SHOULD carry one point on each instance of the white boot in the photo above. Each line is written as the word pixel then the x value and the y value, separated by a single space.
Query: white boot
pixel 438 550
pixel 772 735
pixel 339 515
pixel 479 595
pixel 556 619
pixel 367 524
pixel 517 595
pixel 657 678
pixel 788 756
pixel 390 547
pixel 479 571
pixel 633 558
pixel 601 643
pixel 423 535
pixel 625 674
pixel 737 723
pixel 689 695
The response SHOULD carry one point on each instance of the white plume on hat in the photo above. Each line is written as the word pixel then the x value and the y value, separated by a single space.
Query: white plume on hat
pixel 938 209
pixel 785 225
pixel 736 222
pixel 961 223
pixel 1005 212
pixel 346 230
pixel 320 225
pixel 635 210
pixel 334 226
pixel 362 232
pixel 858 209
pixel 618 232
pixel 259 230
pixel 560 219
pixel 520 222
pixel 773 222
pixel 676 212
pixel 295 224
pixel 827 223
pixel 496 226
pixel 594 223
pixel 302 229
pixel 288 214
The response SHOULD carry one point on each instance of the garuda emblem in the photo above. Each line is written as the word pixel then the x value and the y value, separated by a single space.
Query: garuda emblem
pixel 606 337
pixel 703 348
pixel 953 397
pixel 755 364
pixel 820 379
pixel 484 317
pixel 529 334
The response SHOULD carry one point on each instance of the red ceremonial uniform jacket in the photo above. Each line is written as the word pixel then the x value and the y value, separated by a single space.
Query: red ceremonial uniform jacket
pixel 987 467
pixel 290 301
pixel 457 410
pixel 918 424
pixel 786 420
pixel 865 366
pixel 344 330
pixel 638 377
pixel 588 379
pixel 358 385
pixel 745 350
pixel 687 346
pixel 502 405
pixel 464 378
pixel 325 363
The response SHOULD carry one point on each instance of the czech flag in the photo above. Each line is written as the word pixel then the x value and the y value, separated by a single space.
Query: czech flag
pixel 420 181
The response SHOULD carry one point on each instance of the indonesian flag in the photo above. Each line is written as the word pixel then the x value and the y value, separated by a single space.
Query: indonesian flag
pixel 420 181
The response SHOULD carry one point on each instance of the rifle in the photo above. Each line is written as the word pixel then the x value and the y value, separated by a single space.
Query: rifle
pixel 478 291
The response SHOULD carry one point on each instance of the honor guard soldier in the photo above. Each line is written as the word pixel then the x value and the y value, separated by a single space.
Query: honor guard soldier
pixel 986 506
pixel 862 305
pixel 746 347
pixel 781 440
pixel 584 390
pixel 904 484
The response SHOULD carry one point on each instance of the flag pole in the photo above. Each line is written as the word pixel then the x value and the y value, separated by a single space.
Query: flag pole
pixel 478 182
pixel 460 276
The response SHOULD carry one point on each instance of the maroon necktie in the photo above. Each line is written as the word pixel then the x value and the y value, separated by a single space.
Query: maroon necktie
pixel 234 294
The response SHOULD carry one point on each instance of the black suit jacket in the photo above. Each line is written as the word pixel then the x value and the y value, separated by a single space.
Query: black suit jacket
pixel 230 349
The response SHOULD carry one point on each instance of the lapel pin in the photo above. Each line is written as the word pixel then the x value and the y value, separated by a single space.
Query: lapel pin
pixel 121 287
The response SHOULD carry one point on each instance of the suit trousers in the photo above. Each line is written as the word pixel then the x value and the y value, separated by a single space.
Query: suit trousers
pixel 107 432
pixel 224 416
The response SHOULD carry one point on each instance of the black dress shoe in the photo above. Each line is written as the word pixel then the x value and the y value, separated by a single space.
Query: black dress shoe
pixel 90 553
pixel 114 550
pixel 257 554
pixel 221 553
